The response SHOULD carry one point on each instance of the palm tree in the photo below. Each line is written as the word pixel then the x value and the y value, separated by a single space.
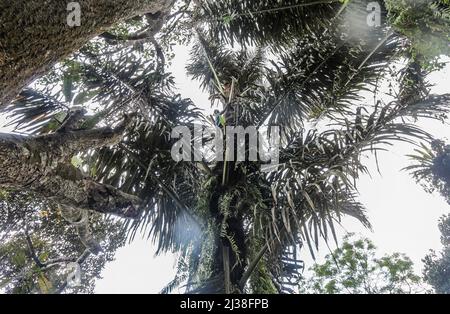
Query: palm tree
pixel 261 216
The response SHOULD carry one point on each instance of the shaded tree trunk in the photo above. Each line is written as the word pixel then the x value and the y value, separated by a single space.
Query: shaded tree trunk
pixel 34 35
pixel 229 265
pixel 43 165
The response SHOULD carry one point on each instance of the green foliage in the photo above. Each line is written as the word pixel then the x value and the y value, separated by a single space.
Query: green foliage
pixel 249 22
pixel 40 265
pixel 437 266
pixel 432 168
pixel 432 171
pixel 425 23
pixel 294 68
pixel 261 281
pixel 354 269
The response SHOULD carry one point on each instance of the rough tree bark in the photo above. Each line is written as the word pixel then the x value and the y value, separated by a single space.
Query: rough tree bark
pixel 43 165
pixel 34 35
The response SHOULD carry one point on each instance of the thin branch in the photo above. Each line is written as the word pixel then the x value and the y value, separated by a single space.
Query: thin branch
pixel 32 250
pixel 81 259
pixel 291 84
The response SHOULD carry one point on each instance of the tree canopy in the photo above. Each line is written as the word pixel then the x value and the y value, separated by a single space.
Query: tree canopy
pixel 431 170
pixel 354 268
pixel 437 266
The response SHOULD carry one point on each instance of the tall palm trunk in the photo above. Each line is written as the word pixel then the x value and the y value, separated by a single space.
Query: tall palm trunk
pixel 230 255
pixel 230 252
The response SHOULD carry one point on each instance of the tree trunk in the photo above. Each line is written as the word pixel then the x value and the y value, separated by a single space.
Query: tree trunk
pixel 229 265
pixel 43 165
pixel 34 35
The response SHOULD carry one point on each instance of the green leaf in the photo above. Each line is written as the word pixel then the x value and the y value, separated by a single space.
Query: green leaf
pixel 68 88
pixel 44 284
pixel 76 161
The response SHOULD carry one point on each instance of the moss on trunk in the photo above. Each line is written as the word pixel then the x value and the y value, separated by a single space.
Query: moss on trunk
pixel 42 165
pixel 34 35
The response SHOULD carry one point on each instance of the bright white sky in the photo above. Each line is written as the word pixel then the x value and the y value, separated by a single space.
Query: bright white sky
pixel 403 215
